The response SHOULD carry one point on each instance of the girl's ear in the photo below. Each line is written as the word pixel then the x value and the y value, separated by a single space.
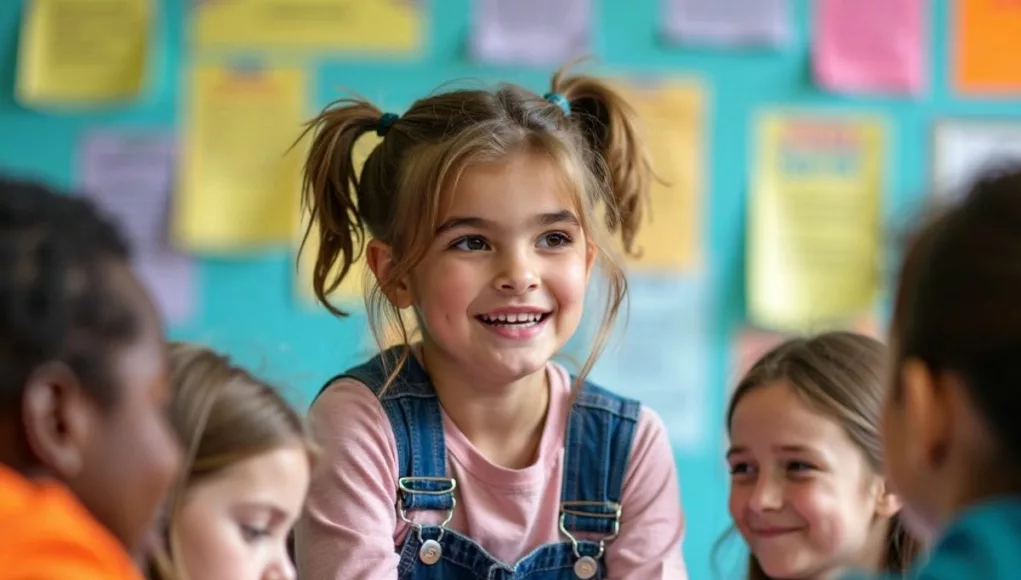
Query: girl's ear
pixel 888 504
pixel 379 257
pixel 590 256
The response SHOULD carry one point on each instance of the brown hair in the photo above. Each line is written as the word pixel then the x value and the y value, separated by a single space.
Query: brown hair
pixel 223 415
pixel 840 374
pixel 958 305
pixel 396 198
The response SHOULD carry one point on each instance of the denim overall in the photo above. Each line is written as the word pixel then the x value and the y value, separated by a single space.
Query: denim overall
pixel 599 434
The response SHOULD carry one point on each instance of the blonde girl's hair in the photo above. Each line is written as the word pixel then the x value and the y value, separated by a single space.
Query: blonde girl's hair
pixel 223 415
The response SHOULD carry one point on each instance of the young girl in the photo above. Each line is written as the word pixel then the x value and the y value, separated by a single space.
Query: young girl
pixel 86 452
pixel 246 474
pixel 951 423
pixel 807 492
pixel 471 454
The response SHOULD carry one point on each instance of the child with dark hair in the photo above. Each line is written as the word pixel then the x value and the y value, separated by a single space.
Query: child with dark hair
pixel 951 423
pixel 86 452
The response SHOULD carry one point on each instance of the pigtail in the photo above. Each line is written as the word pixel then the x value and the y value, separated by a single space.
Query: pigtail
pixel 612 131
pixel 330 191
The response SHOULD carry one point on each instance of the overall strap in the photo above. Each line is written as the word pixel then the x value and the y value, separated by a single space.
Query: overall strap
pixel 413 409
pixel 600 433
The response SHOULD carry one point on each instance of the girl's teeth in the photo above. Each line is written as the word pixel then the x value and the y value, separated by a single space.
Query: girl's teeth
pixel 513 318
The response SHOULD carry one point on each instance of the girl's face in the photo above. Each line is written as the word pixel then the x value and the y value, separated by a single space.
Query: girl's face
pixel 501 288
pixel 938 445
pixel 235 524
pixel 132 456
pixel 802 495
pixel 913 485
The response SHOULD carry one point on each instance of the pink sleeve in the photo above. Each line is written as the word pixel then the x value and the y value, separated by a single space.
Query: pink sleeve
pixel 347 529
pixel 652 523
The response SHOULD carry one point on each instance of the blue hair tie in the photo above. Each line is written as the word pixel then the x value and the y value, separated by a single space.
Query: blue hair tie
pixel 559 100
pixel 383 127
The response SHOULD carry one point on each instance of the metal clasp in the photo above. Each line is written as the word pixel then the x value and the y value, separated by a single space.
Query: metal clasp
pixel 569 508
pixel 404 485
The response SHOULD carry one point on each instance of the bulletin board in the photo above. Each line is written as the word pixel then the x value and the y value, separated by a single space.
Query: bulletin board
pixel 246 305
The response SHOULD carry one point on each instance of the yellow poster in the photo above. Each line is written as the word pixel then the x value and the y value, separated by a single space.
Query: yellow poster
pixel 240 180
pixel 83 52
pixel 814 223
pixel 393 26
pixel 351 292
pixel 672 115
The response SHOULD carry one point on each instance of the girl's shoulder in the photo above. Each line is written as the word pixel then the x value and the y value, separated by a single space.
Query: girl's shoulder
pixel 598 395
pixel 46 532
pixel 982 543
pixel 650 438
pixel 345 412
pixel 344 392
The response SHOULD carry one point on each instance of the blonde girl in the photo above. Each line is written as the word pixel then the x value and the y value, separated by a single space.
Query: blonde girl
pixel 248 462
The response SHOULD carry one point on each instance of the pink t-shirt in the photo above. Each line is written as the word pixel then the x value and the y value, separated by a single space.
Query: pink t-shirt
pixel 351 528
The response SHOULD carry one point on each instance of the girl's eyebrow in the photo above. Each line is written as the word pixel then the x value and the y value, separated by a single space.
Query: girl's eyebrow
pixel 736 450
pixel 794 448
pixel 276 513
pixel 463 222
pixel 563 216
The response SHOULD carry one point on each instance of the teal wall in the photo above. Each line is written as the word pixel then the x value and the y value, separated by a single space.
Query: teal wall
pixel 246 306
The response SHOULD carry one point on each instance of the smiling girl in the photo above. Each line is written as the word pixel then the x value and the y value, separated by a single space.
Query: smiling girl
pixel 471 454
pixel 806 460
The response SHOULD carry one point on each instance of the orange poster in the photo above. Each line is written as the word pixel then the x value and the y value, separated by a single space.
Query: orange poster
pixel 987 42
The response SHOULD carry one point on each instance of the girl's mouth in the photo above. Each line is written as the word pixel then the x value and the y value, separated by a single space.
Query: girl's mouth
pixel 521 320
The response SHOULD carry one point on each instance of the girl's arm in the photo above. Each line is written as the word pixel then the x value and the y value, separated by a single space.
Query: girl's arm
pixel 347 529
pixel 652 522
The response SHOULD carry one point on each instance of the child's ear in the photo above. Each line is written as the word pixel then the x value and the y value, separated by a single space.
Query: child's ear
pixel 888 503
pixel 927 417
pixel 59 418
pixel 379 257
pixel 591 250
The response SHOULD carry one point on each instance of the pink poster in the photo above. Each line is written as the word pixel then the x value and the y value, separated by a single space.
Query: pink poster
pixel 751 344
pixel 870 46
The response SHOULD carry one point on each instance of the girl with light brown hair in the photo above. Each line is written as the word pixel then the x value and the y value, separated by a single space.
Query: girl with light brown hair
pixel 807 487
pixel 470 454
pixel 246 472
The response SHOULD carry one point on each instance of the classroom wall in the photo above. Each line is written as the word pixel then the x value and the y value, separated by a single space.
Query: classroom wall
pixel 246 305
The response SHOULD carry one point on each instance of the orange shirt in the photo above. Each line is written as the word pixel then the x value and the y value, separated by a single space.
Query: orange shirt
pixel 46 534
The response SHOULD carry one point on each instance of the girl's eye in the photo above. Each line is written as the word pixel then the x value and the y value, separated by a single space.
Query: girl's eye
pixel 740 469
pixel 554 240
pixel 799 467
pixel 253 533
pixel 470 244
